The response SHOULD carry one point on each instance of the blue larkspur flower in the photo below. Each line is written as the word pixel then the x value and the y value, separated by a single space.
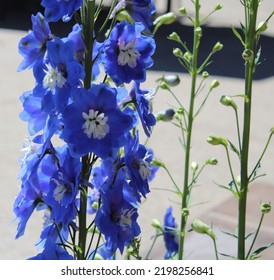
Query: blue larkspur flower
pixel 33 46
pixel 170 234
pixel 60 9
pixel 128 53
pixel 142 102
pixel 116 218
pixel 139 10
pixel 94 123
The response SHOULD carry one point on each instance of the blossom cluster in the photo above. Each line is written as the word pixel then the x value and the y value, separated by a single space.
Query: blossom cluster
pixel 100 158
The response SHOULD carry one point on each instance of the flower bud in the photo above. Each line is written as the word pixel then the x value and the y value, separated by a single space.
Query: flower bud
pixel 177 52
pixel 218 7
pixel 156 162
pixel 199 31
pixel 95 205
pixel 205 74
pixel 188 57
pixel 272 130
pixel 185 212
pixel 194 166
pixel 216 140
pixel 183 11
pixel 167 18
pixel 174 36
pixel 166 115
pixel 156 224
pixel 172 80
pixel 228 101
pixel 247 55
pixel 214 84
pixel 262 26
pixel 181 111
pixel 212 161
pixel 200 227
pixel 218 46
pixel 265 207
pixel 164 85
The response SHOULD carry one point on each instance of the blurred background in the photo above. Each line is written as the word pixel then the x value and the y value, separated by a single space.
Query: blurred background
pixel 213 205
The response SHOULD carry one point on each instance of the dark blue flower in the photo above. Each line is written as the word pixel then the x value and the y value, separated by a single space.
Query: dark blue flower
pixel 142 102
pixel 116 218
pixel 139 10
pixel 94 123
pixel 128 53
pixel 170 234
pixel 53 251
pixel 33 46
pixel 60 9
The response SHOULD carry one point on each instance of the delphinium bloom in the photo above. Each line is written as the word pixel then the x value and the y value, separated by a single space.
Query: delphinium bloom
pixel 33 46
pixel 116 218
pixel 139 10
pixel 128 53
pixel 170 234
pixel 94 123
pixel 60 9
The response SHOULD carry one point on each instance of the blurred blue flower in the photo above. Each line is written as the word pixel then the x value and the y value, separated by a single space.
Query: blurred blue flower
pixel 60 9
pixel 170 234
pixel 128 53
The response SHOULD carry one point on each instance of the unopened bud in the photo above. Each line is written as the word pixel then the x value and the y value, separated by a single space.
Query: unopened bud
pixel 247 55
pixel 218 46
pixel 262 26
pixel 265 207
pixel 212 161
pixel 172 80
pixel 216 140
pixel 199 31
pixel 205 74
pixel 185 212
pixel 156 224
pixel 194 166
pixel 214 84
pixel 183 11
pixel 188 57
pixel 167 18
pixel 174 36
pixel 272 130
pixel 156 162
pixel 95 205
pixel 164 85
pixel 218 7
pixel 177 52
pixel 228 101
pixel 166 115
pixel 200 227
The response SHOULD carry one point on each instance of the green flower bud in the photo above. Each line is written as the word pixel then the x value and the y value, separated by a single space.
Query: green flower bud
pixel 272 130
pixel 262 26
pixel 177 52
pixel 265 207
pixel 156 224
pixel 166 115
pixel 166 19
pixel 218 46
pixel 183 11
pixel 164 85
pixel 205 74
pixel 218 7
pixel 188 57
pixel 214 84
pixel 247 55
pixel 212 161
pixel 194 166
pixel 156 162
pixel 228 101
pixel 199 31
pixel 98 257
pixel 216 140
pixel 181 111
pixel 95 205
pixel 185 212
pixel 200 227
pixel 174 36
pixel 172 80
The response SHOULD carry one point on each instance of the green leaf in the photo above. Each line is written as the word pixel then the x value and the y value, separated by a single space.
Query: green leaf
pixel 228 256
pixel 256 253
pixel 230 234
pixel 237 34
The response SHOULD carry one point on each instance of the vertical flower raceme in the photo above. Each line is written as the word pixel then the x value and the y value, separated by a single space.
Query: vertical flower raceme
pixel 170 234
pixel 128 53
pixel 60 9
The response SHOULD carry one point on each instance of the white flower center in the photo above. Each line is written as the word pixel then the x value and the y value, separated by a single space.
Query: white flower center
pixel 53 78
pixel 95 124
pixel 60 188
pixel 128 54
pixel 144 170
pixel 125 219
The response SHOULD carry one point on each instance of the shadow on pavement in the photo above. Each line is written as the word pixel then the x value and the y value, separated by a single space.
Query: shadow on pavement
pixel 227 63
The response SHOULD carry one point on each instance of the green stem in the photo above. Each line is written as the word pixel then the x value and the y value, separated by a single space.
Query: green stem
pixel 215 249
pixel 186 190
pixel 250 44
pixel 255 237
pixel 87 13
